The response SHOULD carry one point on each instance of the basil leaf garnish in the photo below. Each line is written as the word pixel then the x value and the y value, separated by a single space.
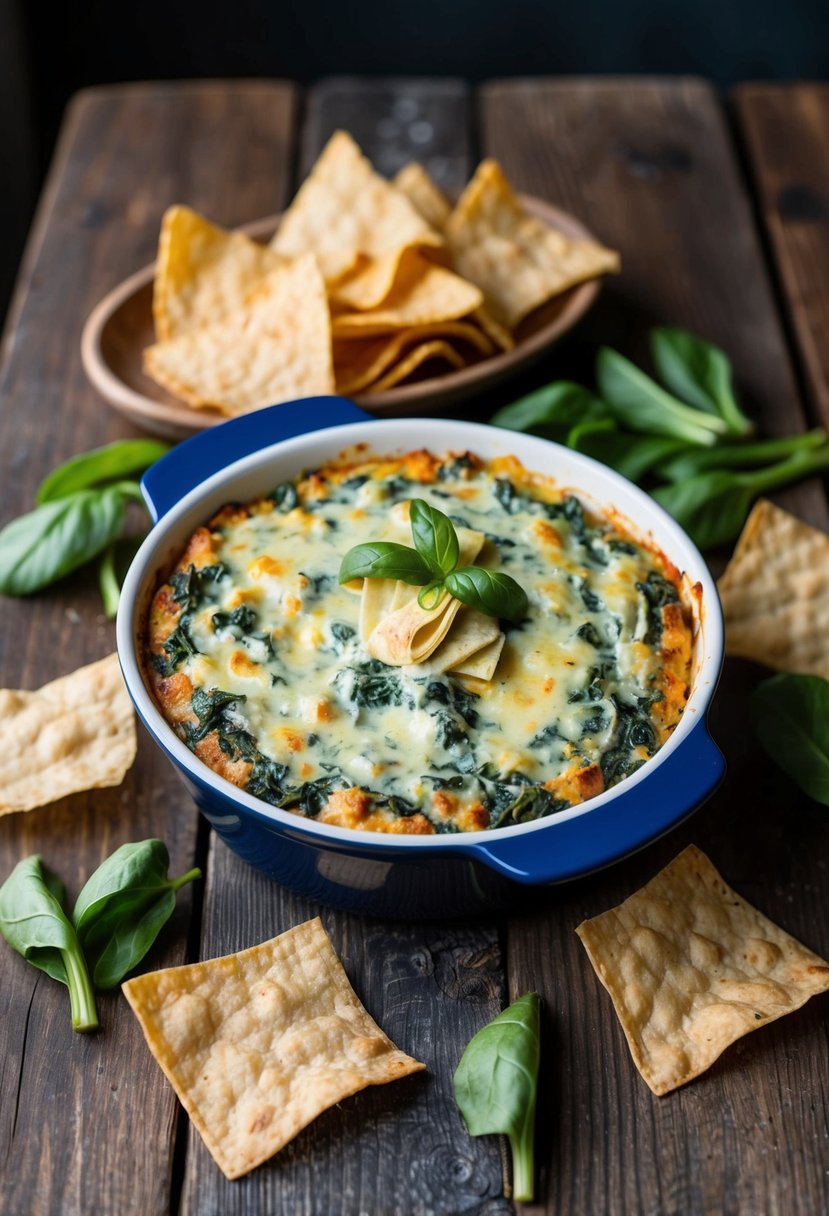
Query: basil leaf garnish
pixel 434 536
pixel 489 591
pixel 384 559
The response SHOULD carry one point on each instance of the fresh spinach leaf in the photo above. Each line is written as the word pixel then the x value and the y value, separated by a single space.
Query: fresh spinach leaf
pixel 124 458
pixel 634 456
pixel 642 405
pixel 690 462
pixel 112 570
pixel 41 547
pixel 123 906
pixel 33 922
pixel 790 714
pixel 698 373
pixel 552 411
pixel 496 1083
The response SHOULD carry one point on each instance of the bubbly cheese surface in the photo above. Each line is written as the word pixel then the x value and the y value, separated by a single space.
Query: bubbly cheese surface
pixel 255 656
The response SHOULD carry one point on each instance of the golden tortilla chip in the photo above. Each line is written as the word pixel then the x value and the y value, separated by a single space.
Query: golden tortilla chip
pixel 278 347
pixel 691 967
pixel 516 260
pixel 471 632
pixel 76 733
pixel 411 633
pixel 775 593
pixel 482 664
pixel 258 1044
pixel 359 362
pixel 423 294
pixel 499 333
pixel 436 349
pixel 425 196
pixel 345 210
pixel 203 272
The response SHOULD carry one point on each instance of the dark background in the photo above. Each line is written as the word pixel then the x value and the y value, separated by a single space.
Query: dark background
pixel 48 51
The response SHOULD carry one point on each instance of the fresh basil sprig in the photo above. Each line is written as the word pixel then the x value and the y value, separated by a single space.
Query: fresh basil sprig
pixel 33 922
pixel 433 565
pixel 81 512
pixel 496 1083
pixel 698 373
pixel 791 719
pixel 122 908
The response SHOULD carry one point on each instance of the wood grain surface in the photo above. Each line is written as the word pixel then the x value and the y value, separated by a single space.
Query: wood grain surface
pixel 786 133
pixel 88 1124
pixel 650 167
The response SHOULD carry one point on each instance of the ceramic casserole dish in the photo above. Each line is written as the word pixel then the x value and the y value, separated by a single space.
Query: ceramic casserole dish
pixel 399 875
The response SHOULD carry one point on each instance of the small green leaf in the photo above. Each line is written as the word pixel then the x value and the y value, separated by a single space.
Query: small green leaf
pixel 791 719
pixel 643 406
pixel 552 411
pixel 33 922
pixel 496 1083
pixel 434 536
pixel 124 458
pixel 631 455
pixel 122 907
pixel 430 596
pixel 384 559
pixel 490 591
pixel 698 373
pixel 38 548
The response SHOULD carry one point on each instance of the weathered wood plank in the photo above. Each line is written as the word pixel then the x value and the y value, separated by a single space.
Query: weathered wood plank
pixel 87 1123
pixel 403 1147
pixel 649 166
pixel 786 132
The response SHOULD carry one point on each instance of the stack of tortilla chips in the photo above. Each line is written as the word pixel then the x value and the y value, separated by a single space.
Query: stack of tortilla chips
pixel 365 283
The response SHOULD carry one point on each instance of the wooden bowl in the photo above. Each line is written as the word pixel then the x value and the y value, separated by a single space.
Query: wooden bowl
pixel 121 326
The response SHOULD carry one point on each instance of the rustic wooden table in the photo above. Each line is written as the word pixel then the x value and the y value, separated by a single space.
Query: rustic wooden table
pixel 721 212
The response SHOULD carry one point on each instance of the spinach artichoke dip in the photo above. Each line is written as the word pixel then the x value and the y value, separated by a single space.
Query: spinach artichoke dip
pixel 366 704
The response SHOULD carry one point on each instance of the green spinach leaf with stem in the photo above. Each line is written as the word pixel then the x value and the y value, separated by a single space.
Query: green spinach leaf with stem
pixel 790 714
pixel 633 456
pixel 123 906
pixel 112 569
pixel 496 1083
pixel 552 411
pixel 698 373
pixel 33 922
pixel 41 547
pixel 123 458
pixel 690 462
pixel 712 507
pixel 644 407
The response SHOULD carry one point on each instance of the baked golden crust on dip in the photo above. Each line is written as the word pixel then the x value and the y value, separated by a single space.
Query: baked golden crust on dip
pixel 366 705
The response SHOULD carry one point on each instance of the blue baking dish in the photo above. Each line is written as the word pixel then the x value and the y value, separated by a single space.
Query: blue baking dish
pixel 415 876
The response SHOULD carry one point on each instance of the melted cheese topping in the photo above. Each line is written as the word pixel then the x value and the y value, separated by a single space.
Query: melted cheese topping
pixel 285 701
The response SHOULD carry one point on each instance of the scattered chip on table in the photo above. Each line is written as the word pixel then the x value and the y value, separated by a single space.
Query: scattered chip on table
pixel 518 262
pixel 203 273
pixel 258 1044
pixel 691 967
pixel 75 733
pixel 275 348
pixel 775 593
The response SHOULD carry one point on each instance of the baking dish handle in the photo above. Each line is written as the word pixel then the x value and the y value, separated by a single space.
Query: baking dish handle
pixel 192 462
pixel 628 822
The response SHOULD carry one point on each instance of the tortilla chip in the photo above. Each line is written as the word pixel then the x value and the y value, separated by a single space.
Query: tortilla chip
pixel 471 632
pixel 425 196
pixel 411 633
pixel 482 664
pixel 423 294
pixel 691 967
pixel 277 348
pixel 203 272
pixel 76 733
pixel 359 362
pixel 516 260
pixel 258 1044
pixel 344 210
pixel 499 333
pixel 426 351
pixel 375 604
pixel 775 593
